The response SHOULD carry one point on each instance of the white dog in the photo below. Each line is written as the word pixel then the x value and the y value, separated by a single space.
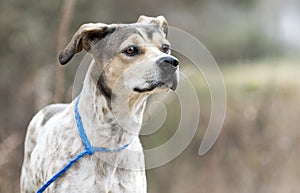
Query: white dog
pixel 131 61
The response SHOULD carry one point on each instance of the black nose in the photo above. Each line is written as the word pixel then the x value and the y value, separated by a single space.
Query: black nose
pixel 167 61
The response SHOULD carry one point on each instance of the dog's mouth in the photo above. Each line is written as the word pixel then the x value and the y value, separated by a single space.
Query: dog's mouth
pixel 151 85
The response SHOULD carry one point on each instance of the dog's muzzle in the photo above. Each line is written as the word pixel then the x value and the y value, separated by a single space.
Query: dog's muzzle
pixel 168 71
pixel 168 75
pixel 168 63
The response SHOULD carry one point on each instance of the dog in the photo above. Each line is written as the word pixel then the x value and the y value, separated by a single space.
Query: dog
pixel 130 62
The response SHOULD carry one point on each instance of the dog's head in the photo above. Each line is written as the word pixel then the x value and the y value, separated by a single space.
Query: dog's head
pixel 138 54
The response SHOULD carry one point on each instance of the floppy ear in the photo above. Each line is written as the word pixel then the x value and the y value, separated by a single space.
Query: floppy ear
pixel 83 39
pixel 160 21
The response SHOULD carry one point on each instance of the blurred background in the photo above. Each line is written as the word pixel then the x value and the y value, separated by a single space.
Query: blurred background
pixel 256 44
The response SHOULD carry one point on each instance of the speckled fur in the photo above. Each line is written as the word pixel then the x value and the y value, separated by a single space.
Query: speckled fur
pixel 109 121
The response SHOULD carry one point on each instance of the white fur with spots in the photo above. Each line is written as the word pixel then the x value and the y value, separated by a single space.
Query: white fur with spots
pixel 111 113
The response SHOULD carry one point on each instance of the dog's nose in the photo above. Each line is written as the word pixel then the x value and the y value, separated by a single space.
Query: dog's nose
pixel 167 61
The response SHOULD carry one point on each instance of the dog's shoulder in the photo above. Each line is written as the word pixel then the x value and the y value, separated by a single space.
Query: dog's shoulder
pixel 46 114
pixel 51 111
pixel 42 118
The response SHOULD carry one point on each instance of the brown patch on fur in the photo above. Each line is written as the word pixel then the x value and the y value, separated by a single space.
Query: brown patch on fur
pixel 109 120
pixel 76 166
pixel 135 99
pixel 33 142
pixel 103 87
pixel 104 111
pixel 28 155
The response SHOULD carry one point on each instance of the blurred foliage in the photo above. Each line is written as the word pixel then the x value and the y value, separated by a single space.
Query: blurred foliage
pixel 247 4
pixel 258 149
pixel 259 146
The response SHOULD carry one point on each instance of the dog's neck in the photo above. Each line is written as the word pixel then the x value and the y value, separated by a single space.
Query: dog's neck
pixel 116 120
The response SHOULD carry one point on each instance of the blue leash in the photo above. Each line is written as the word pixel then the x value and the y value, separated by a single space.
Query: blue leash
pixel 89 149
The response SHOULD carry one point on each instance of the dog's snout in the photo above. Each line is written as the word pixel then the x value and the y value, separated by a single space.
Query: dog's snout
pixel 167 61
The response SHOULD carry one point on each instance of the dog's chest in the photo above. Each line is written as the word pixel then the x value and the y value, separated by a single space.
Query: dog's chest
pixel 101 172
pixel 93 175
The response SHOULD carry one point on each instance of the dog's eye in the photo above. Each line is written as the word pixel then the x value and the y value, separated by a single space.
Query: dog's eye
pixel 165 48
pixel 131 51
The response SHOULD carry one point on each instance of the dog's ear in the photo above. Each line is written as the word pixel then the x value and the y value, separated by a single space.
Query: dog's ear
pixel 83 39
pixel 160 21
